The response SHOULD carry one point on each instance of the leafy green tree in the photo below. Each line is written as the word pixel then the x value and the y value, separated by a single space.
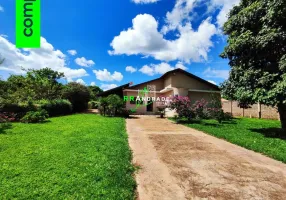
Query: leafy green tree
pixel 256 50
pixel 19 89
pixel 115 103
pixel 103 104
pixel 44 83
pixel 94 90
pixel 78 95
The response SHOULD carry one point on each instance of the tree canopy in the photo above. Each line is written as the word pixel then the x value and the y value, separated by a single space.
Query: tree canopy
pixel 256 50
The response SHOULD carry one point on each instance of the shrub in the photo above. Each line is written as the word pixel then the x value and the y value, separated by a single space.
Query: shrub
pixel 8 117
pixel 200 109
pixel 56 107
pixel 35 116
pixel 16 111
pixel 161 111
pixel 124 113
pixel 115 104
pixel 112 105
pixel 103 105
pixel 93 105
pixel 78 95
pixel 183 107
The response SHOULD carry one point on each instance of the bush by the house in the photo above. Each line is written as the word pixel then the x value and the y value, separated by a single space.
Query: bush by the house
pixel 35 116
pixel 199 110
pixel 78 95
pixel 93 105
pixel 115 104
pixel 112 105
pixel 103 103
pixel 183 107
pixel 56 107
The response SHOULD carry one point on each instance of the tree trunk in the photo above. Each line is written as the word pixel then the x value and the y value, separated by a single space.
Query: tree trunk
pixel 282 114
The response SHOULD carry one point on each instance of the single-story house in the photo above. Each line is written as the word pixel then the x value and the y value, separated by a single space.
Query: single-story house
pixel 175 82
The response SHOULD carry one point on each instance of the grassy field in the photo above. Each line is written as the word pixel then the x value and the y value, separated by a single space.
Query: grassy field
pixel 256 134
pixel 80 156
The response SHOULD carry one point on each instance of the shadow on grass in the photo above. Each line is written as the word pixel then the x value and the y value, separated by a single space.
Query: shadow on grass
pixel 271 132
pixel 4 127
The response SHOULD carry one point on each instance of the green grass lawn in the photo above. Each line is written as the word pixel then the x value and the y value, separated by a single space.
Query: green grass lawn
pixel 81 156
pixel 259 135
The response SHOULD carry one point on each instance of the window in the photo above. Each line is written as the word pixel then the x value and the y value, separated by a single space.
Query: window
pixel 137 102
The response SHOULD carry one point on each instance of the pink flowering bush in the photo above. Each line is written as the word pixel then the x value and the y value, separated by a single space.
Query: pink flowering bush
pixel 7 117
pixel 183 107
pixel 200 109
pixel 5 120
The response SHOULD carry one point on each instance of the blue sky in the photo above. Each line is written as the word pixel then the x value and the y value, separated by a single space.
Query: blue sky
pixel 116 42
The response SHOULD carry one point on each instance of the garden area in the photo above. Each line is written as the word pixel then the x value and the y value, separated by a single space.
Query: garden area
pixel 260 135
pixel 50 150
pixel 70 157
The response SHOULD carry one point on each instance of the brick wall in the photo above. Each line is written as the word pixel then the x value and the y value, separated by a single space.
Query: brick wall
pixel 266 111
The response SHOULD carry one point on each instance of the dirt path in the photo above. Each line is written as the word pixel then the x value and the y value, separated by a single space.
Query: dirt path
pixel 178 162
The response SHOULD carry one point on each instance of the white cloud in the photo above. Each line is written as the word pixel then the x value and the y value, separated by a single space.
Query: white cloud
pixel 80 81
pixel 149 42
pixel 212 82
pixel 147 70
pixel 161 68
pixel 130 69
pixel 84 62
pixel 72 52
pixel 1 9
pixel 215 73
pixel 93 84
pixel 46 56
pixel 104 75
pixel 180 13
pixel 144 1
pixel 181 66
pixel 225 6
pixel 105 87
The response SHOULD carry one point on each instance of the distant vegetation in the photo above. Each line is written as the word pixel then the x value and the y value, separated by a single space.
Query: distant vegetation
pixel 42 90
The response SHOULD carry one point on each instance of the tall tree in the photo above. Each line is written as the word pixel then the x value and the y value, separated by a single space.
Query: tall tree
pixel 256 49
pixel 94 90
pixel 44 83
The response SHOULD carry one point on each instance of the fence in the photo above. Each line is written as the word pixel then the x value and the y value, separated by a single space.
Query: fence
pixel 256 110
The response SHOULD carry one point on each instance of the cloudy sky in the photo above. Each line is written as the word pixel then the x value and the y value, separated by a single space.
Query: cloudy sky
pixel 110 43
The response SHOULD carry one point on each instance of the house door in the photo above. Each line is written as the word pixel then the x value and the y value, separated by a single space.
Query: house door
pixel 150 106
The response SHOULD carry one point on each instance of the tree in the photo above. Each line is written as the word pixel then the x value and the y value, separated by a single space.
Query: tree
pixel 44 83
pixel 256 50
pixel 78 95
pixel 94 90
pixel 103 104
pixel 35 85
pixel 115 103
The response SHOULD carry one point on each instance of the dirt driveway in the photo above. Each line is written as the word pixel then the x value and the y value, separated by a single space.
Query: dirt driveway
pixel 178 162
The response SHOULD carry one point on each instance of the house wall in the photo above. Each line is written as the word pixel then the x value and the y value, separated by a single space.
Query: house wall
pixel 168 82
pixel 180 80
pixel 142 109
pixel 158 83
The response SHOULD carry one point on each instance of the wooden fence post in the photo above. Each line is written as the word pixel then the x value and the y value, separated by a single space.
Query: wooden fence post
pixel 259 110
